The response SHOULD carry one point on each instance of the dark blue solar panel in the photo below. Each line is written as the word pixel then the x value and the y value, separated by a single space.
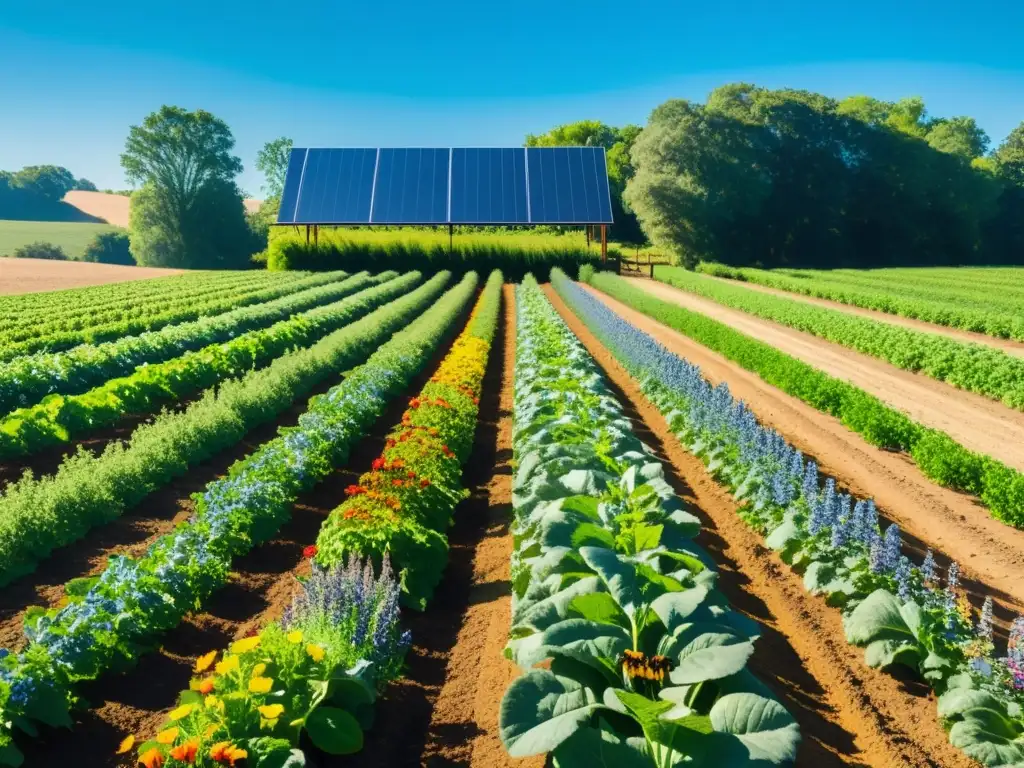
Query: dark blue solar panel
pixel 411 187
pixel 290 193
pixel 336 186
pixel 568 185
pixel 488 186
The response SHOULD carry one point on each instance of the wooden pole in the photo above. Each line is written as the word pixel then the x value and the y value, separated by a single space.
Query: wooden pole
pixel 307 234
pixel 604 243
pixel 586 228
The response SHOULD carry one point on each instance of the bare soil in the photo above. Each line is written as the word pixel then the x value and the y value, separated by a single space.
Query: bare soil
pixel 976 422
pixel 849 714
pixel 1009 346
pixel 954 524
pixel 114 209
pixel 34 275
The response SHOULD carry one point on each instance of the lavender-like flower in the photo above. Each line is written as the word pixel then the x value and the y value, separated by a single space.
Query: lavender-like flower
pixel 928 568
pixel 782 490
pixel 984 628
pixel 952 582
pixel 891 546
pixel 810 484
pixel 829 502
pixel 902 577
pixel 877 557
pixel 1015 646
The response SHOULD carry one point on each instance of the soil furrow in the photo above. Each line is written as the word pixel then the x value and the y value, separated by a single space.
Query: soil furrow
pixel 953 524
pixel 849 713
pixel 976 422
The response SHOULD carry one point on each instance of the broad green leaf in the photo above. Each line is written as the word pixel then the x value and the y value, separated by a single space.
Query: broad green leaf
pixel 599 607
pixel 592 747
pixel 673 608
pixel 540 710
pixel 709 656
pixel 751 729
pixel 618 576
pixel 334 731
pixel 878 617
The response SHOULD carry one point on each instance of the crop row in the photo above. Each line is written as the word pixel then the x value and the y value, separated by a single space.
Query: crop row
pixel 25 380
pixel 644 661
pixel 900 613
pixel 940 458
pixel 39 515
pixel 134 318
pixel 404 505
pixel 941 310
pixel 61 418
pixel 974 367
pixel 342 632
pixel 30 308
pixel 113 618
pixel 967 287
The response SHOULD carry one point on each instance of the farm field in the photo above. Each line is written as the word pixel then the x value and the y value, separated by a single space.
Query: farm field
pixel 71 236
pixel 22 276
pixel 280 516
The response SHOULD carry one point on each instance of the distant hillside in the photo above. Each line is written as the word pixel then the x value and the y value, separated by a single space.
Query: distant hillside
pixel 113 209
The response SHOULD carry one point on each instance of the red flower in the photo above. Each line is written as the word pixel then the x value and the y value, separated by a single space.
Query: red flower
pixel 410 474
pixel 309 552
pixel 476 401
pixel 397 483
pixel 378 464
pixel 354 490
pixel 424 483
pixel 397 464
pixel 414 402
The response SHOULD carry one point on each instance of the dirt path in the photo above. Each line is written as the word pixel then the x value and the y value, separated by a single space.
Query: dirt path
pixel 446 704
pixel 1009 346
pixel 954 524
pixel 974 421
pixel 35 275
pixel 850 715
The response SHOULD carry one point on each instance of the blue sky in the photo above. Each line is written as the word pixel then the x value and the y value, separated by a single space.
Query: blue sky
pixel 74 75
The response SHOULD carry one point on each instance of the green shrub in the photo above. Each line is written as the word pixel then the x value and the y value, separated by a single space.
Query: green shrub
pixel 109 248
pixel 40 250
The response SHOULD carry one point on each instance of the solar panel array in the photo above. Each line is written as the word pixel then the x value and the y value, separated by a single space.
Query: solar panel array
pixel 531 185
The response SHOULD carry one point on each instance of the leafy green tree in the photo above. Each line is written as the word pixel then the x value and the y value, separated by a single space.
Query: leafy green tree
pixel 961 136
pixel 50 181
pixel 1009 157
pixel 272 161
pixel 85 185
pixel 109 248
pixel 188 211
pixel 40 250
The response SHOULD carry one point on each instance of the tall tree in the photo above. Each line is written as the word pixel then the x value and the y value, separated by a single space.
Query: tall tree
pixel 960 136
pixel 272 161
pixel 50 181
pixel 188 211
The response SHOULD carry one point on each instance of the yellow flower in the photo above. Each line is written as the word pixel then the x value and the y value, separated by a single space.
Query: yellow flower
pixel 316 653
pixel 246 645
pixel 183 711
pixel 295 637
pixel 212 702
pixel 259 669
pixel 271 711
pixel 127 744
pixel 212 729
pixel 168 736
pixel 260 685
pixel 230 664
pixel 203 662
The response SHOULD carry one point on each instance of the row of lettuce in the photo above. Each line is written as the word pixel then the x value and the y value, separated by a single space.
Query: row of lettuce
pixel 63 330
pixel 631 656
pixel 976 368
pixel 939 457
pixel 903 615
pixel 984 301
pixel 318 670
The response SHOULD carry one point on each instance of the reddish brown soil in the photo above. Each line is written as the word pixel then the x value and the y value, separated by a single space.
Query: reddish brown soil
pixel 954 524
pixel 849 714
pixel 976 422
pixel 1009 346
pixel 35 275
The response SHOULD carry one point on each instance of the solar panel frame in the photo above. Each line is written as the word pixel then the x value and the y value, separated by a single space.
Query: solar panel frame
pixel 307 197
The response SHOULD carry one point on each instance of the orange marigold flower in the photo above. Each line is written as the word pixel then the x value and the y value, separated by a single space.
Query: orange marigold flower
pixel 206 686
pixel 226 753
pixel 152 758
pixel 411 475
pixel 377 464
pixel 397 464
pixel 424 483
pixel 390 442
pixel 397 483
pixel 354 490
pixel 186 752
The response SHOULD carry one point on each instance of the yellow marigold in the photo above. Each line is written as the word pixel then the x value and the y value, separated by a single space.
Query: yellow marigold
pixel 271 711
pixel 316 653
pixel 183 711
pixel 259 669
pixel 203 662
pixel 295 637
pixel 168 736
pixel 128 743
pixel 260 685
pixel 230 664
pixel 245 645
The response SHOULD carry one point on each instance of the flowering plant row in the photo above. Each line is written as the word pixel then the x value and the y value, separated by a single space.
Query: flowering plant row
pixel 27 379
pixel 316 672
pixel 900 613
pixel 404 504
pixel 937 455
pixel 129 317
pixel 644 661
pixel 112 618
pixel 20 313
pixel 37 516
pixel 61 418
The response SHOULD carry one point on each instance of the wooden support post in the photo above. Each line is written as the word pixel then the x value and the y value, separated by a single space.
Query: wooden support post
pixel 316 234
pixel 604 243
pixel 586 228
pixel 307 234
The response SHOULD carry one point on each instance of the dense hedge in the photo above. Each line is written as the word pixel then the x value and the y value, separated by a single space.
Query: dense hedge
pixel 428 253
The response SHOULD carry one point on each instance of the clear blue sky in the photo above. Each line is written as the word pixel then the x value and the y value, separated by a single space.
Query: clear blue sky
pixel 74 75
